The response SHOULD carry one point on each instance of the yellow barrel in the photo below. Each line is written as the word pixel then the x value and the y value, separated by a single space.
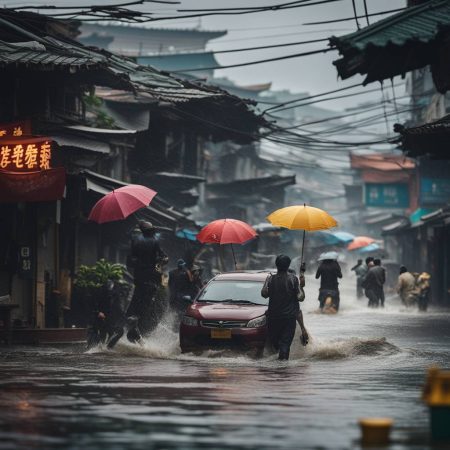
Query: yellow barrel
pixel 375 430
pixel 436 394
pixel 436 391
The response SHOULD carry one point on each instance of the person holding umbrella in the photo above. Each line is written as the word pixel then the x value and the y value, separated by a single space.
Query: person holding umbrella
pixel 284 293
pixel 329 271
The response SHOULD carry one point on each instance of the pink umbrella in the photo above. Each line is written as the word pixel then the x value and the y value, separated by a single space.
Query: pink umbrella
pixel 359 242
pixel 226 231
pixel 120 203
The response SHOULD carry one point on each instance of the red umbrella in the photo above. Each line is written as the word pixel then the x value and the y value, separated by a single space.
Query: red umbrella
pixel 120 203
pixel 226 231
pixel 359 242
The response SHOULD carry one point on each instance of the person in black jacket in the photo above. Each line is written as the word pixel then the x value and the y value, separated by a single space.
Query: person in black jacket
pixel 147 259
pixel 373 284
pixel 329 271
pixel 180 287
pixel 283 291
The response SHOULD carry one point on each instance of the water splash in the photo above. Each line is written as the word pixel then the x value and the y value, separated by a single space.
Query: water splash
pixel 350 348
pixel 163 343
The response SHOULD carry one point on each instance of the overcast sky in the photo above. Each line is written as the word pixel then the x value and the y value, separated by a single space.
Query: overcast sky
pixel 313 74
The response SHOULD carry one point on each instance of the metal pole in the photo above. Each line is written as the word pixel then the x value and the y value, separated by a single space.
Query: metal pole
pixel 234 257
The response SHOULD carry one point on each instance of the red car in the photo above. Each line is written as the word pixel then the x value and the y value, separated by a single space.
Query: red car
pixel 228 312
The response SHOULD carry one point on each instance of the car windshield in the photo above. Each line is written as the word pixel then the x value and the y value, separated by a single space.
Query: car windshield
pixel 234 292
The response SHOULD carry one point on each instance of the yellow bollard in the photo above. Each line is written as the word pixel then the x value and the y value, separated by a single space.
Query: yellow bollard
pixel 375 430
pixel 436 394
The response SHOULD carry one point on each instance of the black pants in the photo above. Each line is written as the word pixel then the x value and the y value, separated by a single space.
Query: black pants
pixel 373 298
pixel 422 301
pixel 281 333
pixel 379 292
pixel 143 305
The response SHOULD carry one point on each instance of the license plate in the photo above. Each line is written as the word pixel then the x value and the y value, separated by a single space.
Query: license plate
pixel 221 334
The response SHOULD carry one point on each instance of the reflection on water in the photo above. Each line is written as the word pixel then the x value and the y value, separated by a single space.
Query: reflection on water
pixel 358 363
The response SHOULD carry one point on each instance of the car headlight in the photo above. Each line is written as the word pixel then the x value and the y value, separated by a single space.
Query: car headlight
pixel 258 322
pixel 188 320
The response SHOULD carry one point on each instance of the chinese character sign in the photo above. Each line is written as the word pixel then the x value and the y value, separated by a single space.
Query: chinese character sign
pixel 15 129
pixel 25 262
pixel 389 195
pixel 25 155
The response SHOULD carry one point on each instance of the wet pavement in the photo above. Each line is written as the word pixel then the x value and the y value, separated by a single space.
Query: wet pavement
pixel 359 363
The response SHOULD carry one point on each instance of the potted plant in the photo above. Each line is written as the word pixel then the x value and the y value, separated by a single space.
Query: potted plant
pixel 91 286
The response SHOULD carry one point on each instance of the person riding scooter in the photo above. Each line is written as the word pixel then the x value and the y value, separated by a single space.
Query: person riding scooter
pixel 329 271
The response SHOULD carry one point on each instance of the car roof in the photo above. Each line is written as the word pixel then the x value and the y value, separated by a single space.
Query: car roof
pixel 244 275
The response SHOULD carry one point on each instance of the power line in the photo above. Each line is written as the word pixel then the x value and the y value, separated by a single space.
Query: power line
pixel 292 139
pixel 312 96
pixel 355 14
pixel 366 120
pixel 282 26
pixel 98 7
pixel 328 119
pixel 277 110
pixel 353 18
pixel 288 44
pixel 366 12
pixel 249 38
pixel 126 15
pixel 298 3
pixel 260 61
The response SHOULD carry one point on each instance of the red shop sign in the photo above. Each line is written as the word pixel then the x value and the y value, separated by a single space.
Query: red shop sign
pixel 25 155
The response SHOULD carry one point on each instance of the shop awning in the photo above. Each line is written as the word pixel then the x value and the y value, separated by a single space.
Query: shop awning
pixel 43 186
pixel 81 142
pixel 251 185
pixel 394 227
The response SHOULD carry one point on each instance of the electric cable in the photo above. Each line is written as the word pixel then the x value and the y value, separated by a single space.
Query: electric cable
pixel 327 99
pixel 250 63
pixel 346 19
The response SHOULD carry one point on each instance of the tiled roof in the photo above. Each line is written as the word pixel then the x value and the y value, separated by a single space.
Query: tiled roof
pixel 395 45
pixel 33 53
pixel 438 126
pixel 429 139
pixel 30 46
pixel 419 23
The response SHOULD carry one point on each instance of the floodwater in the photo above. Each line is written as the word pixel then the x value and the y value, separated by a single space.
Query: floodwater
pixel 359 363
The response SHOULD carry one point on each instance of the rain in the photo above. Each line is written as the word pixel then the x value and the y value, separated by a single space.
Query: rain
pixel 224 225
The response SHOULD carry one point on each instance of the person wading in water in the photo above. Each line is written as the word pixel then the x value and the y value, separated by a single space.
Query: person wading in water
pixel 147 257
pixel 283 291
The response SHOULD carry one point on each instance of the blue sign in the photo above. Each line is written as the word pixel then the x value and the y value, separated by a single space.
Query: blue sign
pixel 388 195
pixel 434 191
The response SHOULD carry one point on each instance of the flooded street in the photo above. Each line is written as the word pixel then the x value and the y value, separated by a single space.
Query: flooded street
pixel 359 363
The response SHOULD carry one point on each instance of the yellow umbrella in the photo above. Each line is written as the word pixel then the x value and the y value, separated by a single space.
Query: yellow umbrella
pixel 302 217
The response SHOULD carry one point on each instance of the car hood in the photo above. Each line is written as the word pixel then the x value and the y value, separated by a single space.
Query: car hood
pixel 223 311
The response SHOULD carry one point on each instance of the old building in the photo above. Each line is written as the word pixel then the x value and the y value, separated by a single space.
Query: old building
pixel 63 147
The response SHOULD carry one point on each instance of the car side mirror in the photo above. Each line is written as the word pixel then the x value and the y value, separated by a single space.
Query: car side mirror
pixel 187 298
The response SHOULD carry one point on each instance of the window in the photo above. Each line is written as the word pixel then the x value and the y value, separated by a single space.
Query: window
pixel 234 291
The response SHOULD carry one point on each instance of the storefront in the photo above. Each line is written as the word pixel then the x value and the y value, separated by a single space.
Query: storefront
pixel 31 191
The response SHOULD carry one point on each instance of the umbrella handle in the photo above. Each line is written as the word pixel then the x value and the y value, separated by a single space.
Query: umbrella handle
pixel 303 247
pixel 234 257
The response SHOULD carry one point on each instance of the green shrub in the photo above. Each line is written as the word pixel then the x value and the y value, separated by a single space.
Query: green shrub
pixel 95 277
